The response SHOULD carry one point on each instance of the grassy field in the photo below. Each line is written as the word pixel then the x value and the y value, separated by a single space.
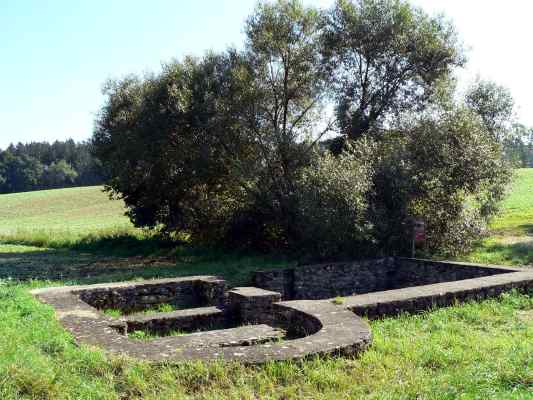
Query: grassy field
pixel 511 239
pixel 62 217
pixel 472 351
pixel 76 211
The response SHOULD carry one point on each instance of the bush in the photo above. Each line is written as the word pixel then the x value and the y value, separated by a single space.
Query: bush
pixel 195 169
pixel 212 147
pixel 332 195
pixel 172 147
pixel 447 171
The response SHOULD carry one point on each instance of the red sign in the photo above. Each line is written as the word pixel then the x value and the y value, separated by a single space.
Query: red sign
pixel 419 231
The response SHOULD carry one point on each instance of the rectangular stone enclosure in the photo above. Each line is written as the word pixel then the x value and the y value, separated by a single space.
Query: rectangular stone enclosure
pixel 290 313
pixel 245 323
pixel 388 286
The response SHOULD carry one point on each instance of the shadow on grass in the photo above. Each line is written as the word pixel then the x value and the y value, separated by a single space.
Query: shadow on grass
pixel 527 228
pixel 514 230
pixel 519 253
pixel 82 267
pixel 120 244
pixel 126 245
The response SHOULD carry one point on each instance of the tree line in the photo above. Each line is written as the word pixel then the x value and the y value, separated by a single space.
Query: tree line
pixel 43 165
pixel 519 146
pixel 239 148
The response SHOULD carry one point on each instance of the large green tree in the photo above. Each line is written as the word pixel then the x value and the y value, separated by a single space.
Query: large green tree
pixel 170 145
pixel 59 174
pixel 446 170
pixel 43 165
pixel 20 173
pixel 213 146
pixel 386 57
pixel 227 147
pixel 494 104
pixel 289 77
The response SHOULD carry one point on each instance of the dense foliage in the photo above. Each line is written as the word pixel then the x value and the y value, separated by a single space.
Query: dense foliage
pixel 332 192
pixel 213 147
pixel 446 171
pixel 42 165
pixel 239 148
pixel 385 58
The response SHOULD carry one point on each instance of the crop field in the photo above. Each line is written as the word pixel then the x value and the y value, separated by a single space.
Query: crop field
pixel 478 350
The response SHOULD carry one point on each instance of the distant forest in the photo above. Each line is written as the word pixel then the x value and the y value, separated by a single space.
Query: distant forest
pixel 42 165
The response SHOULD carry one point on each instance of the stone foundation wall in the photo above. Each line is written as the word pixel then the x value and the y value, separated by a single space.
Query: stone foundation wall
pixel 342 279
pixel 189 320
pixel 328 280
pixel 308 327
pixel 280 280
pixel 416 272
pixel 420 298
pixel 138 297
pixel 359 277
pixel 296 323
pixel 253 305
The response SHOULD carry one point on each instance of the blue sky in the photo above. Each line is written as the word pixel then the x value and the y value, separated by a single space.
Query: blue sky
pixel 56 54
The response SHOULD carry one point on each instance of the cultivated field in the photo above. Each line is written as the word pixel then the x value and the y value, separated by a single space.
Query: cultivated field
pixel 473 351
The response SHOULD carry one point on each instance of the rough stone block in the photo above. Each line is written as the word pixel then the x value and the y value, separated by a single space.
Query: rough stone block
pixel 253 305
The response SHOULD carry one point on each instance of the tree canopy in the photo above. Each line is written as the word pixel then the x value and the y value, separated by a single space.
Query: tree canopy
pixel 386 57
pixel 233 148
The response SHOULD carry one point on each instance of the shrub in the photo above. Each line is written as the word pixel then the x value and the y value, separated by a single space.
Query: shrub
pixel 446 170
pixel 332 195
pixel 212 147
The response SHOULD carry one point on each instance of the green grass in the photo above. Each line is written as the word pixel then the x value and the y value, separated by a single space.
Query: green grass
pixel 478 350
pixel 61 212
pixel 511 238
pixel 159 308
pixel 68 266
pixel 473 351
pixel 82 219
pixel 144 335
pixel 516 217
pixel 147 335
pixel 338 300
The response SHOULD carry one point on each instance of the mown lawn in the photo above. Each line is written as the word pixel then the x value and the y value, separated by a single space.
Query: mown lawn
pixel 472 351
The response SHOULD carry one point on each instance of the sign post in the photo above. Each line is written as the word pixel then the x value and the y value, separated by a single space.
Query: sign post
pixel 419 235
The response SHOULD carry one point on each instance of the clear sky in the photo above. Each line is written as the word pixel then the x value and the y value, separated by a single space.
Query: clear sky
pixel 56 54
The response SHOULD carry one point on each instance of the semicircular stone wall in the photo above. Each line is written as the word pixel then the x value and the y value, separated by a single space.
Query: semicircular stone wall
pixel 255 326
